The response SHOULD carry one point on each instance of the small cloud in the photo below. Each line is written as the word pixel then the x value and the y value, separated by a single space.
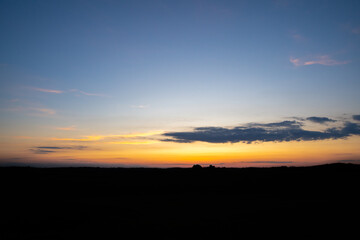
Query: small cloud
pixel 320 119
pixel 356 117
pixel 139 106
pixel 45 111
pixel 47 90
pixel 50 147
pixel 61 148
pixel 70 128
pixel 88 94
pixel 33 111
pixel 295 61
pixel 23 137
pixel 325 60
pixel 93 94
pixel 296 36
pixel 41 151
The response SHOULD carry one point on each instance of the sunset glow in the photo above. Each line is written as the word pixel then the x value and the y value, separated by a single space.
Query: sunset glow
pixel 178 83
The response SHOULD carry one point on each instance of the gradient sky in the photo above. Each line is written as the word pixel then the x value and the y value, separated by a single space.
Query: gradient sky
pixel 176 83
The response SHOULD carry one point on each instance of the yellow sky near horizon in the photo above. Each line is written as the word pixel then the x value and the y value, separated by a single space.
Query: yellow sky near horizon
pixel 146 149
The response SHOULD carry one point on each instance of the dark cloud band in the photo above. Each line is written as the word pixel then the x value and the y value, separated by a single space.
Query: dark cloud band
pixel 61 148
pixel 272 132
pixel 52 149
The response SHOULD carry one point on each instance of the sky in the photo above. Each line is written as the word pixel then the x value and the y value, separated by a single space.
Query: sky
pixel 175 83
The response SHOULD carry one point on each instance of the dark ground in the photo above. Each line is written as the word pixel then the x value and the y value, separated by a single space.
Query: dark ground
pixel 221 203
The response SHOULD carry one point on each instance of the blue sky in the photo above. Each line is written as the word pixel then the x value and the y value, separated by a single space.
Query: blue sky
pixel 134 66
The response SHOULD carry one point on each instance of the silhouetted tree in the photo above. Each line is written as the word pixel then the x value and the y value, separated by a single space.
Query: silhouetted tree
pixel 211 167
pixel 197 166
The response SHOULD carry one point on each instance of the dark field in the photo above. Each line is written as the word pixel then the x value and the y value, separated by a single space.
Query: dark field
pixel 221 203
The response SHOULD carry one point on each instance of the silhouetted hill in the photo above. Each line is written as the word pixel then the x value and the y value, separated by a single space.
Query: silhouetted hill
pixel 176 203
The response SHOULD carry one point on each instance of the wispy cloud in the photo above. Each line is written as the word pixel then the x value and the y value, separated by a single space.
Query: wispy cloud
pixel 295 61
pixel 145 134
pixel 325 60
pixel 33 111
pixel 68 91
pixel 70 128
pixel 139 106
pixel 46 111
pixel 82 139
pixel 14 100
pixel 297 36
pixel 47 90
pixel 63 147
pixel 41 151
pixel 53 149
pixel 23 137
pixel 88 94
pixel 93 94
pixel 134 138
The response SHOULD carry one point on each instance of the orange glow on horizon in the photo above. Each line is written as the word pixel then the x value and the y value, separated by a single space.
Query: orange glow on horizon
pixel 136 149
